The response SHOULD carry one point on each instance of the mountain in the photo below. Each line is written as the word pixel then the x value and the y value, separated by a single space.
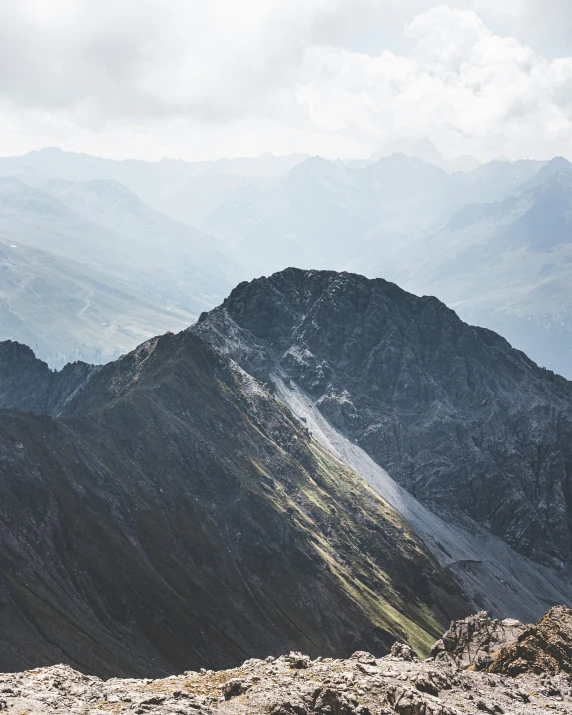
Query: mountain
pixel 165 512
pixel 469 426
pixel 72 166
pixel 497 179
pixel 325 214
pixel 108 270
pixel 465 163
pixel 433 231
pixel 221 493
pixel 504 265
pixel 170 185
pixel 423 149
pixel 274 211
pixel 65 311
pixel 321 212
pixel 426 150
pixel 105 226
pixel 197 265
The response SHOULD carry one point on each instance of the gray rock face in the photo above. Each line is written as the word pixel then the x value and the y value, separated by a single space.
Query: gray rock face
pixel 403 651
pixel 27 383
pixel 467 424
pixel 475 640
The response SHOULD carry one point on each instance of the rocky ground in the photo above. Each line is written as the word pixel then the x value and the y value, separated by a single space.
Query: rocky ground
pixel 292 685
pixel 295 685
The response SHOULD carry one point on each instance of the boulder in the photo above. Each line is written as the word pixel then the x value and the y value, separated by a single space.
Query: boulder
pixel 475 640
pixel 403 651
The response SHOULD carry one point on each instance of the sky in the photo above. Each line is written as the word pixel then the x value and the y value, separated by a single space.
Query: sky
pixel 341 78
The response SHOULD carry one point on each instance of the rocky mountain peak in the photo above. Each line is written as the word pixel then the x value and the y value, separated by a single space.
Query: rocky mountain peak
pixel 449 410
pixel 27 383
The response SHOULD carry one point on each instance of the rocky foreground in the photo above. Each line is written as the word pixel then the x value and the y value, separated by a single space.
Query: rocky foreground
pixel 457 679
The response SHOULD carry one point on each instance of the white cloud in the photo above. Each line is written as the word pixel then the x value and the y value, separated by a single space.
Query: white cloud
pixel 147 57
pixel 195 79
pixel 545 25
pixel 458 82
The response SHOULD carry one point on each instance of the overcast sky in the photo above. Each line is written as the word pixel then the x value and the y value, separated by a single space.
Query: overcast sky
pixel 198 79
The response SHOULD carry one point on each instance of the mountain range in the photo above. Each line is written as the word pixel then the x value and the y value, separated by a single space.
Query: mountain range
pixel 64 310
pixel 504 265
pixel 324 462
pixel 107 270
pixel 489 240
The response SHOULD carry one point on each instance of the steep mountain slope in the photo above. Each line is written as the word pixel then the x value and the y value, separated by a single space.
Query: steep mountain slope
pixel 174 515
pixel 66 311
pixel 106 227
pixel 492 575
pixel 107 270
pixel 504 265
pixel 465 423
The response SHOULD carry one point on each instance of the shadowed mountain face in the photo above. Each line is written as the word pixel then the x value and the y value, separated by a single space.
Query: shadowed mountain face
pixel 466 423
pixel 28 384
pixel 164 512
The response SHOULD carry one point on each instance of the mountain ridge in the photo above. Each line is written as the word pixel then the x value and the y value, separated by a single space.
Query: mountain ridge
pixel 175 515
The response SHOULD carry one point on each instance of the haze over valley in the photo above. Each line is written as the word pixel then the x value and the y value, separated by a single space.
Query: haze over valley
pixel 493 242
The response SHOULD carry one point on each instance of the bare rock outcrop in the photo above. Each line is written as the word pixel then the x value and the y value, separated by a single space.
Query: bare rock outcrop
pixel 475 640
pixel 360 685
pixel 542 648
pixel 403 651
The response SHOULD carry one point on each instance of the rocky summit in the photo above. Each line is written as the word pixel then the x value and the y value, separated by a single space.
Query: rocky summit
pixel 295 684
pixel 467 424
pixel 474 641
